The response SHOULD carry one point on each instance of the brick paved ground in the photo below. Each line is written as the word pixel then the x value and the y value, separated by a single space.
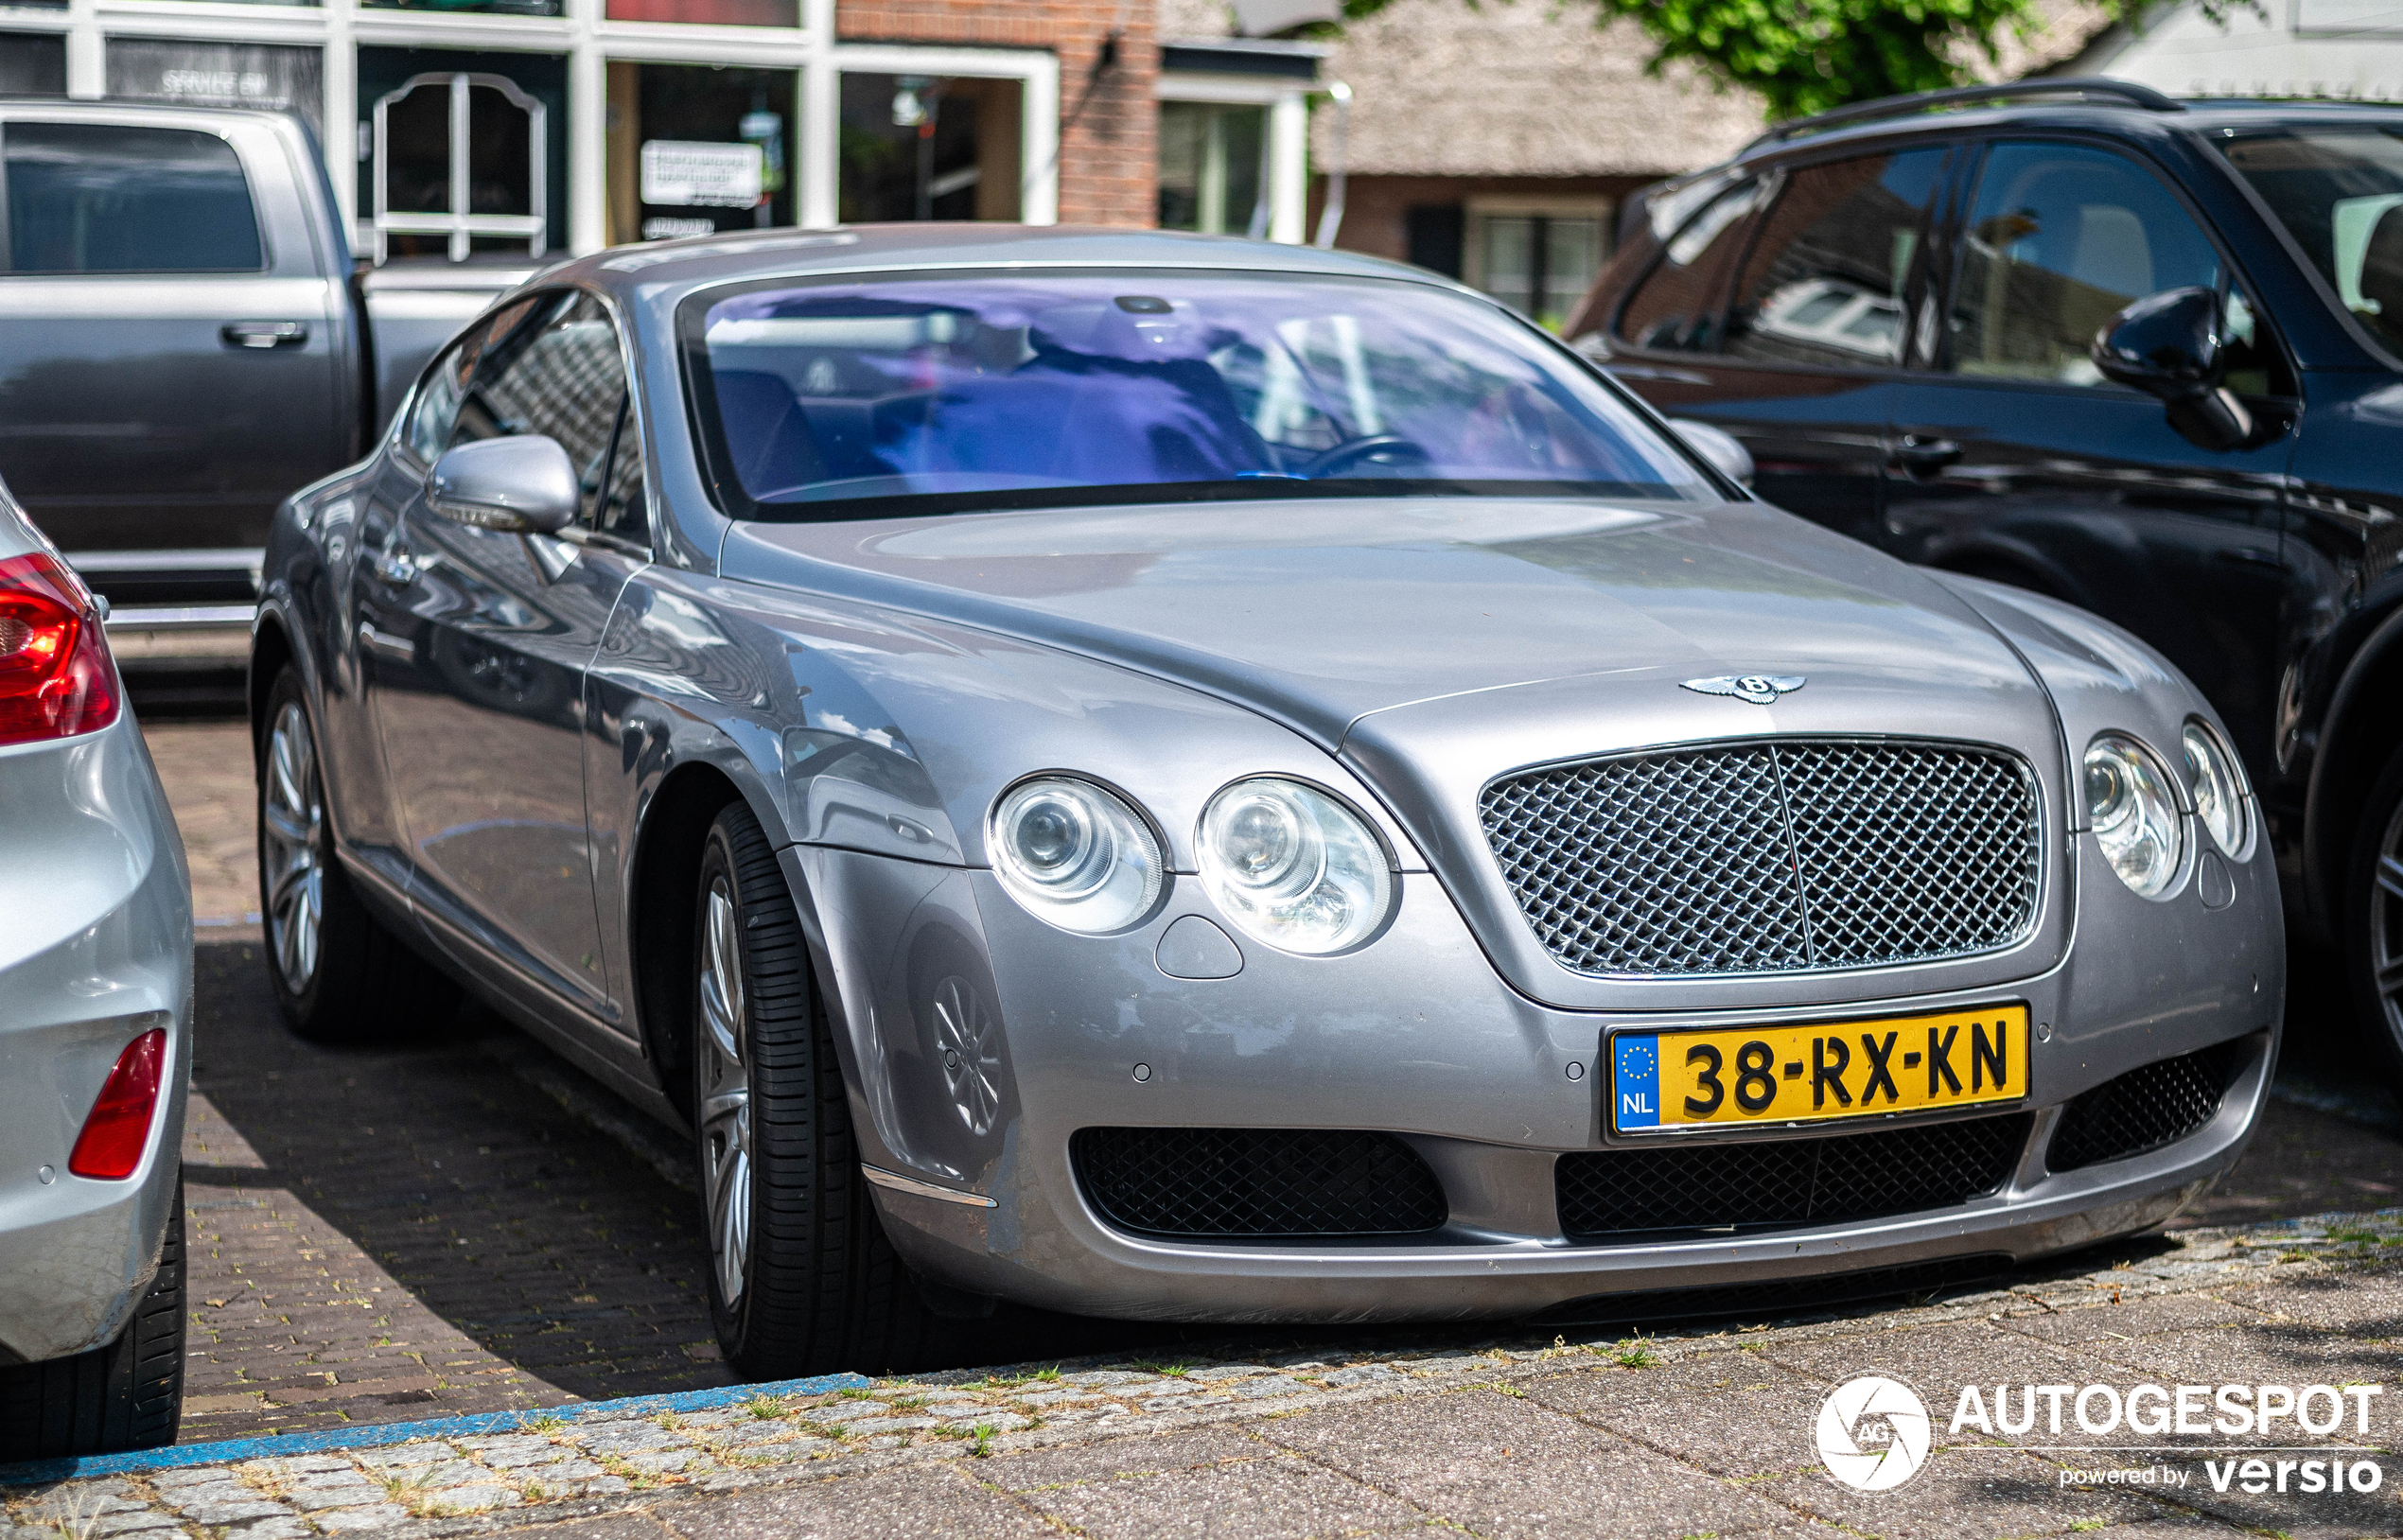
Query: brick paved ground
pixel 411 1230
pixel 206 769
pixel 1686 1435
pixel 465 1224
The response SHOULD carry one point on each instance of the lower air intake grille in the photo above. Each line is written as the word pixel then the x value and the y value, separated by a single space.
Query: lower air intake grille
pixel 1286 1182
pixel 1789 1182
pixel 2146 1108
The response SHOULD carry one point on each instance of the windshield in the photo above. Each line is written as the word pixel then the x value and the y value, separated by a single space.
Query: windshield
pixel 2338 190
pixel 830 400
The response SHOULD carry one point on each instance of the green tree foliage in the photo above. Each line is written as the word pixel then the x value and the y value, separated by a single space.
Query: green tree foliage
pixel 1807 56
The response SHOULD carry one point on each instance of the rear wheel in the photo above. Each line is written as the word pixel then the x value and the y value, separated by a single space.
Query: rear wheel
pixel 127 1395
pixel 2373 939
pixel 339 974
pixel 801 1278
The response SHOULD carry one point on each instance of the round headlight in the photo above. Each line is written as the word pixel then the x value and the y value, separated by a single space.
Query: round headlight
pixel 1293 867
pixel 2219 801
pixel 2133 815
pixel 1075 855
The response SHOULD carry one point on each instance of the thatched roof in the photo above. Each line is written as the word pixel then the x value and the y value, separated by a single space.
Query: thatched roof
pixel 1534 88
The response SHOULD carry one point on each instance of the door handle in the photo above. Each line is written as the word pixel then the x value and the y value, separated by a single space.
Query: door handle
pixel 259 336
pixel 1923 457
pixel 396 567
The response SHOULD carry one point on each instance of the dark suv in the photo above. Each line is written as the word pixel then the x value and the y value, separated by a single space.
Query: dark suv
pixel 2142 354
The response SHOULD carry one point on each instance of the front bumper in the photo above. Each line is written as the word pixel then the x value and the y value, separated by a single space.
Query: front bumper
pixel 97 951
pixel 1415 1034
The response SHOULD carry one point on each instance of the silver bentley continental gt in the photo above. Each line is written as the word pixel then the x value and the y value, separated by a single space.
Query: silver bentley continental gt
pixel 1169 777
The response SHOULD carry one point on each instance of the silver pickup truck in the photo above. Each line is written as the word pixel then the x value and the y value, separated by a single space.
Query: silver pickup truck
pixel 185 339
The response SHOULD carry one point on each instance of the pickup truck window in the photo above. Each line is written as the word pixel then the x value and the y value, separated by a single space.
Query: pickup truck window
pixel 100 197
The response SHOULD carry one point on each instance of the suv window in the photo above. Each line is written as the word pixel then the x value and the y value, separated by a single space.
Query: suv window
pixel 1677 304
pixel 98 198
pixel 1824 284
pixel 2058 239
pixel 556 372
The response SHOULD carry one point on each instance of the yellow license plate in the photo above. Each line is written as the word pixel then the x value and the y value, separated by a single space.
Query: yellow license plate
pixel 1818 1072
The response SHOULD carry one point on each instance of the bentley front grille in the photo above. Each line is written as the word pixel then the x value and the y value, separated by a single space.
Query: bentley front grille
pixel 1771 857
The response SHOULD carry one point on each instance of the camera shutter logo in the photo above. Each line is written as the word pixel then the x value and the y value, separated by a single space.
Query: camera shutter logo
pixel 1873 1433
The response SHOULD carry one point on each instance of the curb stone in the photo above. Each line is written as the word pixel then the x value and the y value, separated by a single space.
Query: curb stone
pixel 579 1460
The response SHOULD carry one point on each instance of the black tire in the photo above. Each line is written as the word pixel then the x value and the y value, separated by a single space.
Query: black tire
pixel 817 1286
pixel 357 981
pixel 2373 935
pixel 127 1395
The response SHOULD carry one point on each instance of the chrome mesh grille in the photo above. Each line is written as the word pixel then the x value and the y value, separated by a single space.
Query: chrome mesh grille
pixel 1762 858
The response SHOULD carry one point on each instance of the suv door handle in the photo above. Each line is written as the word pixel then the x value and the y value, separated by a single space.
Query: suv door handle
pixel 1918 456
pixel 262 335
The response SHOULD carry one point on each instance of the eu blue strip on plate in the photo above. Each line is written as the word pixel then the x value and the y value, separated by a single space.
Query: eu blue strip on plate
pixel 1634 1081
pixel 370 1435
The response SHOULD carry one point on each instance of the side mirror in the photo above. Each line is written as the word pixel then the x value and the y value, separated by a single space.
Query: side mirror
pixel 521 485
pixel 2168 346
pixel 1719 447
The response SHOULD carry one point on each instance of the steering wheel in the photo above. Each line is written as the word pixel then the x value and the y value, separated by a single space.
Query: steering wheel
pixel 1353 452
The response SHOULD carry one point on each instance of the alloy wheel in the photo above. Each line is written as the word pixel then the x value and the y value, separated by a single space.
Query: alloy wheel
pixel 291 828
pixel 2386 929
pixel 725 1096
pixel 970 1051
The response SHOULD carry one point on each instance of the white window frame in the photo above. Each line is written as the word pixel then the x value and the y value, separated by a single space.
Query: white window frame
pixel 1288 136
pixel 590 42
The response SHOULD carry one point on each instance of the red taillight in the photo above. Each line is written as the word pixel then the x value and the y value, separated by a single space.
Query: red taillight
pixel 115 1135
pixel 55 677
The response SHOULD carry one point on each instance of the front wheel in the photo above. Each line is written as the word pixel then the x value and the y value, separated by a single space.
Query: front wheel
pixel 339 974
pixel 2374 921
pixel 127 1395
pixel 801 1278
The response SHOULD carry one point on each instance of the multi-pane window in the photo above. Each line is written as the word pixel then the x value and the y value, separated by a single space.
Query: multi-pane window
pixel 1540 265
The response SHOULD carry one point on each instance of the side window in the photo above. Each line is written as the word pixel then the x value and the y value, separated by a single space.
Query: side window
pixel 98 198
pixel 435 406
pixel 433 411
pixel 1677 307
pixel 2059 238
pixel 1824 284
pixel 556 372
pixel 624 511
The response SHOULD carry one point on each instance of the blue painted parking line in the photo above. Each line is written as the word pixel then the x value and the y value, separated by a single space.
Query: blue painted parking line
pixel 370 1435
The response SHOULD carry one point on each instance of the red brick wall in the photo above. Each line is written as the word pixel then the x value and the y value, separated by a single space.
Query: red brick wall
pixel 1109 152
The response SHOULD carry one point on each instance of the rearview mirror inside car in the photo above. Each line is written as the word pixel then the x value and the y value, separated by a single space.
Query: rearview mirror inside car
pixel 2169 346
pixel 520 485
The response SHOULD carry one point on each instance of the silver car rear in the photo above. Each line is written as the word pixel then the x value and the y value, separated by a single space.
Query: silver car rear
pixel 96 1023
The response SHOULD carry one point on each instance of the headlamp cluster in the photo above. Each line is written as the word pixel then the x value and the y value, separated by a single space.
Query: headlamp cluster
pixel 2132 804
pixel 1291 865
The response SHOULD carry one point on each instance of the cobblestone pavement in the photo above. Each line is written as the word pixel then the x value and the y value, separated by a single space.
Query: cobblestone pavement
pixel 206 769
pixel 1682 1434
pixel 463 1224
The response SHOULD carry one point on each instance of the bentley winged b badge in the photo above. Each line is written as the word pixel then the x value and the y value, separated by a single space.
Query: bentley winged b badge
pixel 1760 689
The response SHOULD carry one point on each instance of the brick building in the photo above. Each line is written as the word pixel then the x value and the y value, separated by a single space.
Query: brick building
pixel 594 122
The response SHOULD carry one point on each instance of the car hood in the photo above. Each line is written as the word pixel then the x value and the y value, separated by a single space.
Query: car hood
pixel 1434 644
pixel 1323 612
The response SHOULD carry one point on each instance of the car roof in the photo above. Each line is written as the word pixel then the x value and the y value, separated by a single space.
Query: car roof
pixel 699 261
pixel 2188 116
